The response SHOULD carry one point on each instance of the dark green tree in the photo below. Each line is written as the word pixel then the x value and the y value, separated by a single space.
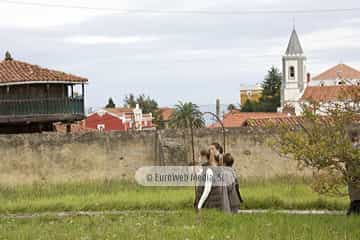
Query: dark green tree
pixel 270 98
pixel 110 103
pixel 130 101
pixel 8 56
pixel 250 106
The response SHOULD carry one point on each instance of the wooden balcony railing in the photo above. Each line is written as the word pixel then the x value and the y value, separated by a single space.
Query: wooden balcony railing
pixel 37 107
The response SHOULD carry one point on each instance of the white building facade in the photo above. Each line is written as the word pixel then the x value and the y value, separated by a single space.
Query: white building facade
pixel 297 87
pixel 294 79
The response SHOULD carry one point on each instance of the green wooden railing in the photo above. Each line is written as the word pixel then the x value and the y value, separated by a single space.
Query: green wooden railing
pixel 47 106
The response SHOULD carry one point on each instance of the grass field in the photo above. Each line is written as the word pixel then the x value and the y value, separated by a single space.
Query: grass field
pixel 184 225
pixel 280 193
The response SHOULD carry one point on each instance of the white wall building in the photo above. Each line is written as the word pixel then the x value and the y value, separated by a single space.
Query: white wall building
pixel 297 87
pixel 294 79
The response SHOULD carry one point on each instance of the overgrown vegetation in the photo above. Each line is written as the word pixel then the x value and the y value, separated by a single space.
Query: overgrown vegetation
pixel 328 143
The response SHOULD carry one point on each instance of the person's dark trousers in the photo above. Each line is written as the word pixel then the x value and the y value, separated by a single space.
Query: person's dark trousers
pixel 354 208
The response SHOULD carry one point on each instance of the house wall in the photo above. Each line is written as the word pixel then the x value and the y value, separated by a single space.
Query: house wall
pixel 110 122
pixel 117 155
pixel 251 95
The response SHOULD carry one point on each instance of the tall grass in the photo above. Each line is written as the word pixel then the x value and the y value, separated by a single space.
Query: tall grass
pixel 183 225
pixel 280 193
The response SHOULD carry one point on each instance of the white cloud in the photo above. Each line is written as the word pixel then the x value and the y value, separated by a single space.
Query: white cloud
pixel 158 51
pixel 336 38
pixel 38 17
pixel 352 21
pixel 30 13
pixel 95 40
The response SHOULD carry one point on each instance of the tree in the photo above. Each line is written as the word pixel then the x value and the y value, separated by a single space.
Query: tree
pixel 271 89
pixel 148 105
pixel 326 142
pixel 231 107
pixel 110 103
pixel 270 97
pixel 187 116
pixel 8 56
pixel 250 106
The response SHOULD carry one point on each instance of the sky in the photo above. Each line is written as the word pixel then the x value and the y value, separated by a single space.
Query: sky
pixel 175 56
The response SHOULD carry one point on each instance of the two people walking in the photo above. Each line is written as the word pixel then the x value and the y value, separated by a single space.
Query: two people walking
pixel 219 187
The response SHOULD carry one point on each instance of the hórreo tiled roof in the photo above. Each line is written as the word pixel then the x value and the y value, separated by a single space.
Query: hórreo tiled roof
pixel 12 71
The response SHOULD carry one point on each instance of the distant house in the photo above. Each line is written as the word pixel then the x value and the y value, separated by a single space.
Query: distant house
pixel 250 93
pixel 234 119
pixel 32 98
pixel 340 74
pixel 119 119
pixel 166 113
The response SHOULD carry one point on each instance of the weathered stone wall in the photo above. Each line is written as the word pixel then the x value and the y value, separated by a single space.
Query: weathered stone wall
pixel 251 150
pixel 58 158
pixel 54 158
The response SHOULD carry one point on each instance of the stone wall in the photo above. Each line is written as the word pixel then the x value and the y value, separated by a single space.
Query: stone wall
pixel 58 158
pixel 251 150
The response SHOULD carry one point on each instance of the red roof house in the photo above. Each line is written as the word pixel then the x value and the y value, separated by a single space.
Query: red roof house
pixel 329 93
pixel 234 119
pixel 166 113
pixel 340 71
pixel 119 119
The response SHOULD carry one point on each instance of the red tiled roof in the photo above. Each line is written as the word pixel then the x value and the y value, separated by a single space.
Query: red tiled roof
pixel 340 71
pixel 119 111
pixel 166 113
pixel 328 93
pixel 290 121
pixel 12 71
pixel 238 119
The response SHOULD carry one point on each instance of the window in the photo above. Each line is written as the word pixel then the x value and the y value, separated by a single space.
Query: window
pixel 292 72
pixel 101 127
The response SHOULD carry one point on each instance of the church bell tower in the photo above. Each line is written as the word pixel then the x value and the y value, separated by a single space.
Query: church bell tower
pixel 294 73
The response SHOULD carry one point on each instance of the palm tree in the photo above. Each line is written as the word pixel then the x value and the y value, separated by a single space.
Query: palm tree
pixel 187 116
